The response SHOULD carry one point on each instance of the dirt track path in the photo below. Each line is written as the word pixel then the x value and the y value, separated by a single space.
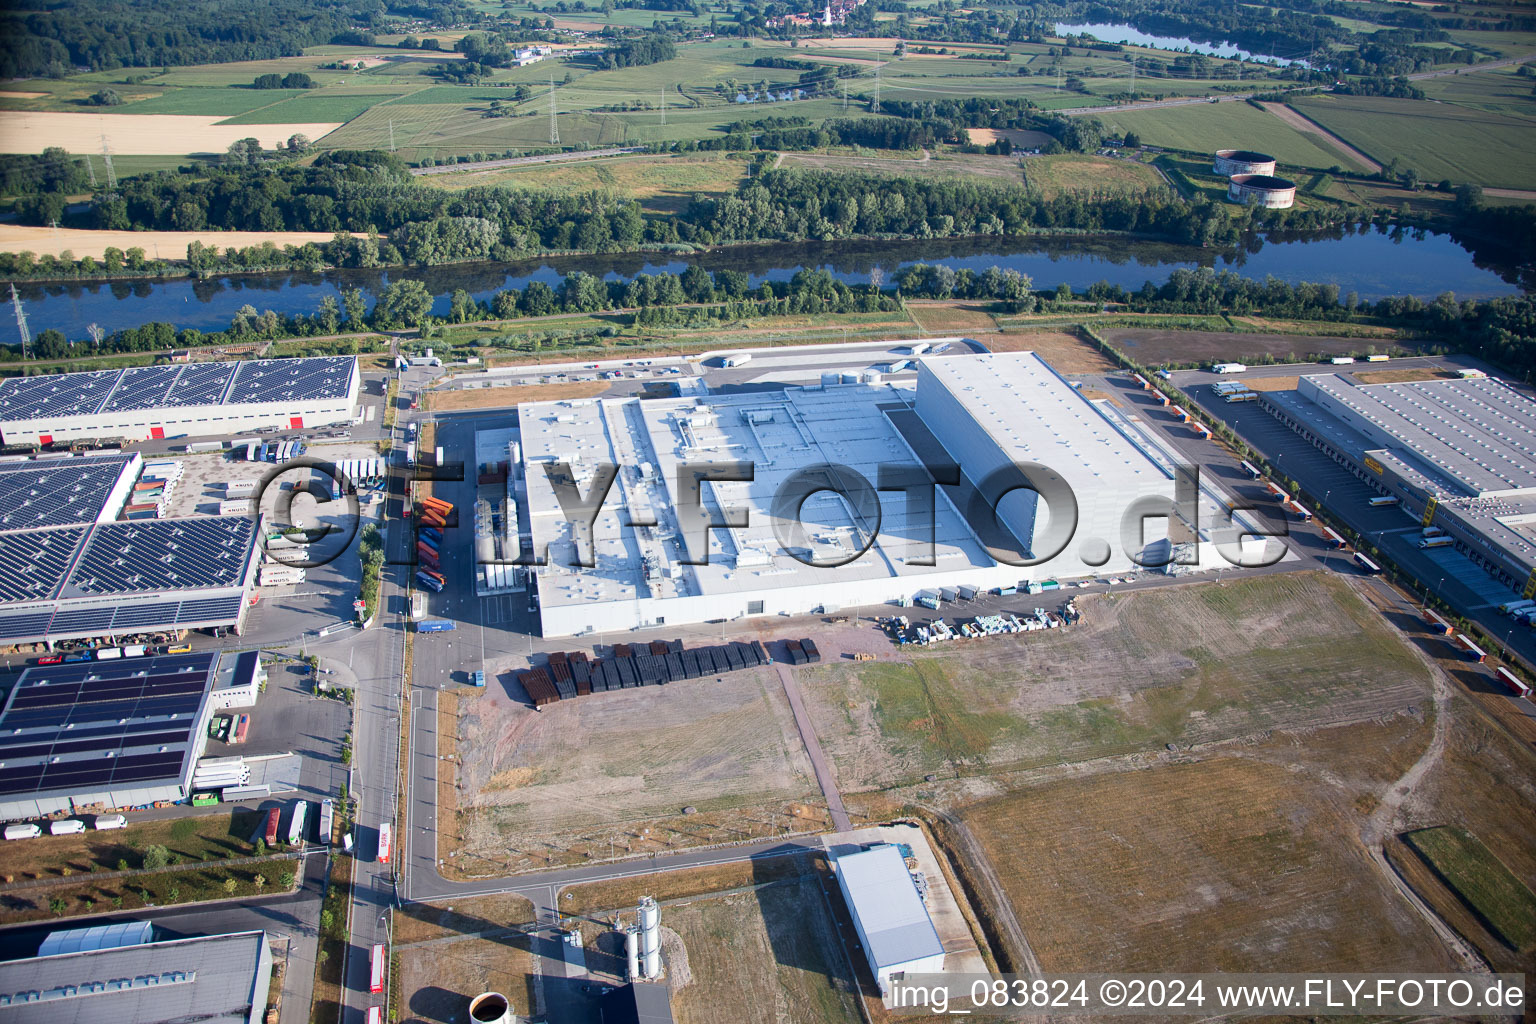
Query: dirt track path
pixel 1302 123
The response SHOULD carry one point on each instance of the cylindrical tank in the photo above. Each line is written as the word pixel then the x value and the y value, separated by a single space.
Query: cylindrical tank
pixel 1262 190
pixel 632 952
pixel 491 1008
pixel 649 916
pixel 1242 161
pixel 870 377
pixel 850 378
pixel 829 379
pixel 485 549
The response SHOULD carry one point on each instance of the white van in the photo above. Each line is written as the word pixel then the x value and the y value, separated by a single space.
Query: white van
pixel 67 827
pixel 27 831
pixel 106 821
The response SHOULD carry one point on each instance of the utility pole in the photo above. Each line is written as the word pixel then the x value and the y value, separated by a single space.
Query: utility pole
pixel 21 321
pixel 1133 78
pixel 106 156
pixel 391 135
pixel 554 125
pixel 845 96
pixel 90 169
pixel 663 106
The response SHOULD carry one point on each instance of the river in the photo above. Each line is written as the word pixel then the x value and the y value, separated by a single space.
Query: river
pixel 1372 263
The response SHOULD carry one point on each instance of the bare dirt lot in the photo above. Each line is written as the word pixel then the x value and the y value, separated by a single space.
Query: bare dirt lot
pixel 1402 376
pixel 610 773
pixel 438 976
pixel 1248 655
pixel 1021 138
pixel 1066 351
pixel 169 245
pixel 1152 348
pixel 505 397
pixel 763 956
pixel 1226 865
pixel 25 131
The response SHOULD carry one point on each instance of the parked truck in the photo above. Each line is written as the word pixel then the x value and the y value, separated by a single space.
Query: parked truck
pixel 434 626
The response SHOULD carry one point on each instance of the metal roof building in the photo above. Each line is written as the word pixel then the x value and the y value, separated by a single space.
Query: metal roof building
pixel 216 979
pixel 144 402
pixel 101 936
pixel 639 1002
pixel 854 544
pixel 103 734
pixel 893 925
pixel 1459 454
pixel 125 578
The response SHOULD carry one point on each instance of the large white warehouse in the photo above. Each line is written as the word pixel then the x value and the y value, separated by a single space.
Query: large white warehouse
pixel 892 923
pixel 182 399
pixel 853 545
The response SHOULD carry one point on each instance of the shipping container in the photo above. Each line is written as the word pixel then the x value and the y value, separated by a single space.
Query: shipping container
pixel 297 822
pixel 274 816
pixel 108 653
pixel 434 626
pixel 1384 500
pixel 1515 684
pixel 1436 622
pixel 376 961
pixel 236 794
pixel 1366 564
pixel 1464 644
pixel 1251 470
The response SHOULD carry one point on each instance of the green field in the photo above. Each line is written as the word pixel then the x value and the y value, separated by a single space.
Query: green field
pixel 227 101
pixel 1438 140
pixel 1207 127
pixel 318 107
pixel 662 184
pixel 1501 91
pixel 1481 881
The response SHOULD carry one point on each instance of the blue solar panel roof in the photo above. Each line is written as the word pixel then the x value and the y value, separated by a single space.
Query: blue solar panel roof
pixel 55 492
pixel 33 563
pixel 318 378
pixel 163 555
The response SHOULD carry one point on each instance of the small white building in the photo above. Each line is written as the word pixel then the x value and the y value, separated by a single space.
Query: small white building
pixel 893 924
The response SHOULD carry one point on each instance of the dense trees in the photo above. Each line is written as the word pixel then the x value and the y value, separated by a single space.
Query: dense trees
pixel 292 80
pixel 56 37
pixel 651 48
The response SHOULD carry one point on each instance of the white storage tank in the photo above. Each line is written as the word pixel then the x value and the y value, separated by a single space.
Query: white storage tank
pixel 491 1008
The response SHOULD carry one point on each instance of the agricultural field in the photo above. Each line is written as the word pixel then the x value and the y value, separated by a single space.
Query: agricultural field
pixel 1438 140
pixel 662 184
pixel 1499 90
pixel 1251 655
pixel 1207 127
pixel 997 169
pixel 145 134
pixel 169 245
pixel 611 773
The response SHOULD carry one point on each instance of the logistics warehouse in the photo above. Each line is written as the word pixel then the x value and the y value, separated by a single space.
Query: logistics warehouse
pixel 182 399
pixel 646 558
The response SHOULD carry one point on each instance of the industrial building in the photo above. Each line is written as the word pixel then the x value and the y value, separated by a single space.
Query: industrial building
pixel 215 979
pixel 125 578
pixel 888 913
pixel 1242 161
pixel 98 736
pixel 64 490
pixel 1264 190
pixel 857 546
pixel 1460 455
pixel 179 399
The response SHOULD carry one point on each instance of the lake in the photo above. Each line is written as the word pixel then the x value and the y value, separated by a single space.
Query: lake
pixel 1110 33
pixel 1370 262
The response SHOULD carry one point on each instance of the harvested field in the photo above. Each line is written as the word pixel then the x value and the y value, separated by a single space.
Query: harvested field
pixel 997 169
pixel 609 774
pixel 169 245
pixel 1064 350
pixel 29 131
pixel 762 957
pixel 1223 865
pixel 496 398
pixel 1021 138
pixel 1287 383
pixel 1054 175
pixel 1249 655
pixel 1153 348
pixel 9 95
pixel 426 922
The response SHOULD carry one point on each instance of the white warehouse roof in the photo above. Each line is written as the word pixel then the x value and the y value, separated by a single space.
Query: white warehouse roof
pixel 896 926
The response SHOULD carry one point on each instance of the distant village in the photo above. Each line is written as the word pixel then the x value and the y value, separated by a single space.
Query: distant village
pixel 834 13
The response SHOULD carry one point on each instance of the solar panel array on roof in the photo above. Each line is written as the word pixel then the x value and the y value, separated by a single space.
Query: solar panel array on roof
pixel 318 378
pixel 57 394
pixel 57 492
pixel 34 563
pixel 96 725
pixel 163 554
pixel 279 380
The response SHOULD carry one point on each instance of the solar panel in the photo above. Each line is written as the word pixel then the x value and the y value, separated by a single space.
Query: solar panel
pixel 57 492
pixel 209 609
pixel 33 563
pixel 132 617
pixel 82 620
pixel 164 554
pixel 141 387
pixel 56 394
pixel 27 624
pixel 292 380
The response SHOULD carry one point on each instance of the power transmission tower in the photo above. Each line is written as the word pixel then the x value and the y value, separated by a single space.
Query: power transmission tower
pixel 663 106
pixel 106 157
pixel 845 97
pixel 1133 78
pixel 876 109
pixel 90 169
pixel 554 124
pixel 21 321
pixel 391 135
